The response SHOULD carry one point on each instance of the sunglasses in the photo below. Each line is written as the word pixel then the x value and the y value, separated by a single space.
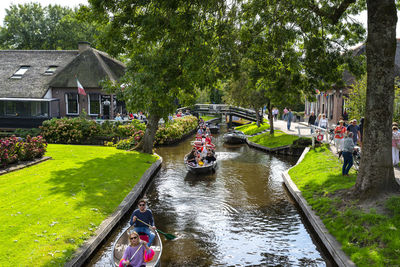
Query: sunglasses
pixel 135 237
pixel 142 205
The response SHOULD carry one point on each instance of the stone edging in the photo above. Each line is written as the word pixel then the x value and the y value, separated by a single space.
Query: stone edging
pixel 331 244
pixel 22 165
pixel 105 228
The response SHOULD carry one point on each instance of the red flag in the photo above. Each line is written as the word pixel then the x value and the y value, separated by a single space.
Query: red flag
pixel 81 91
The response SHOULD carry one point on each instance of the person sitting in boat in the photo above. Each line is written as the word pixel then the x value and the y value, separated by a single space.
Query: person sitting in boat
pixel 203 152
pixel 210 157
pixel 208 132
pixel 199 132
pixel 134 253
pixel 145 215
pixel 191 159
pixel 208 139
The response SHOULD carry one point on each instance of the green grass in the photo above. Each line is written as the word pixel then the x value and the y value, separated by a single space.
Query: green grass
pixel 207 118
pixel 48 210
pixel 279 138
pixel 369 238
pixel 250 129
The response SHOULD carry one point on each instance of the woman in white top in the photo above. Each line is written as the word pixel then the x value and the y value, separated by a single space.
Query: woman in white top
pixel 323 122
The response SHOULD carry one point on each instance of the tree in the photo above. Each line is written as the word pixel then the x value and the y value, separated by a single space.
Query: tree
pixel 375 176
pixel 31 26
pixel 168 46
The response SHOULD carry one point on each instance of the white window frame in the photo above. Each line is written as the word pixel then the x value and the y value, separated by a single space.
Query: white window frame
pixel 89 100
pixel 20 72
pixel 66 104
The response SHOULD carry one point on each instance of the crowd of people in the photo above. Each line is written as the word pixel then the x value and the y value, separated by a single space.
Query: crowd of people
pixel 203 151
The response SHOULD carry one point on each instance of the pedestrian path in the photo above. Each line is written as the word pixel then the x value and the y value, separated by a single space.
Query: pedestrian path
pixel 282 125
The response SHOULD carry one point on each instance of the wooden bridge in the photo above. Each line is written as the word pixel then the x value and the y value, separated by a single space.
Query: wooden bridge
pixel 243 113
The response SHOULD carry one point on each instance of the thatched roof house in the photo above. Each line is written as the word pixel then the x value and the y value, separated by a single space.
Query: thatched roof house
pixel 39 84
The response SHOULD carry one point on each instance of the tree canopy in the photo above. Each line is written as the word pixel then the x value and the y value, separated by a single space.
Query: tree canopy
pixel 31 26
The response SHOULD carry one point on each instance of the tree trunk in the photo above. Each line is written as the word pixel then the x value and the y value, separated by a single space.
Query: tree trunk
pixel 376 175
pixel 148 138
pixel 257 116
pixel 271 119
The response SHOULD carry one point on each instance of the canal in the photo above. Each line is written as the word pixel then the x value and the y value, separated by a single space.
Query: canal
pixel 239 216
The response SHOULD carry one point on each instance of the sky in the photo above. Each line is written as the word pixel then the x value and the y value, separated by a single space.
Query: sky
pixel 74 3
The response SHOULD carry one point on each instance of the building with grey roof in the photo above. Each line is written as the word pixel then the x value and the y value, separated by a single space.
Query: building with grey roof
pixel 36 85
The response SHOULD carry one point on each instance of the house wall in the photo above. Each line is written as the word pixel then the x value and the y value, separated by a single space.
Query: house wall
pixel 83 101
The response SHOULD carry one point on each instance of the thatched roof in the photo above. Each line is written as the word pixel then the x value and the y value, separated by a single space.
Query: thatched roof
pixel 90 66
pixel 34 83
pixel 349 79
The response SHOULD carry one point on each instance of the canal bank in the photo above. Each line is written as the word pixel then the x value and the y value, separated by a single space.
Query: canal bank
pixel 86 251
pixel 239 215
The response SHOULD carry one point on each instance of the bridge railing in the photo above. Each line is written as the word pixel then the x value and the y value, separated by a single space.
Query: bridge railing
pixel 222 108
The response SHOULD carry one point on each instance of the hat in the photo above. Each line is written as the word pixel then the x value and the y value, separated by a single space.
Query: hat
pixel 354 120
pixel 341 121
pixel 395 127
pixel 394 123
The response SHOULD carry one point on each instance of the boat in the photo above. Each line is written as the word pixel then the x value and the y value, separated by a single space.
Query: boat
pixel 206 168
pixel 234 137
pixel 123 242
pixel 214 128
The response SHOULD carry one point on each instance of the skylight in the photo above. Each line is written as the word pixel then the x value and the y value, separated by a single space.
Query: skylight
pixel 50 70
pixel 20 72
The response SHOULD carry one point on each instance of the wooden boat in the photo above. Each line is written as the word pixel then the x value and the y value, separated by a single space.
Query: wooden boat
pixel 206 168
pixel 123 242
pixel 214 128
pixel 234 137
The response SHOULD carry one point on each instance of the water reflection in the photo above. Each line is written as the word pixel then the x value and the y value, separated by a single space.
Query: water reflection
pixel 237 216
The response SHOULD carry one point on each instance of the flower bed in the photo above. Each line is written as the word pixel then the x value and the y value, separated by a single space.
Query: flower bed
pixel 13 149
pixel 176 129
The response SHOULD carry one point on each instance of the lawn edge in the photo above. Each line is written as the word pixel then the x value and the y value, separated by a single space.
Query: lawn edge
pixel 23 164
pixel 84 252
pixel 329 241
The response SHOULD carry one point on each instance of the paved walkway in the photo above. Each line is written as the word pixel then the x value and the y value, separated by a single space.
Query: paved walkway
pixel 282 125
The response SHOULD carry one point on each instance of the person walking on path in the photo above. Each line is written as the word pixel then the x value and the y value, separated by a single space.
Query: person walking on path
pixel 339 136
pixel 353 127
pixel 289 118
pixel 285 112
pixel 145 215
pixel 323 122
pixel 395 143
pixel 348 148
pixel 311 121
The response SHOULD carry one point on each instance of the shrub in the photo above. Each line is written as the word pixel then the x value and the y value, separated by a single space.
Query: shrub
pixel 13 149
pixel 25 132
pixel 69 130
pixel 175 129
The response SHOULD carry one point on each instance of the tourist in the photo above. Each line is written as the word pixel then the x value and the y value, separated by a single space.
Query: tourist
pixel 340 130
pixel 210 157
pixel 323 122
pixel 311 121
pixel 145 215
pixel 316 123
pixel 353 127
pixel 289 117
pixel 285 112
pixel 275 113
pixel 191 158
pixel 134 253
pixel 118 117
pixel 348 149
pixel 395 145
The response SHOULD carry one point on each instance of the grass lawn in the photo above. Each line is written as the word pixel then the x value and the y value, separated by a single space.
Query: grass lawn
pixel 279 138
pixel 368 237
pixel 48 210
pixel 250 129
pixel 207 118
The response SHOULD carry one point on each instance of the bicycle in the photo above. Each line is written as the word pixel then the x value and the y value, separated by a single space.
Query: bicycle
pixel 356 157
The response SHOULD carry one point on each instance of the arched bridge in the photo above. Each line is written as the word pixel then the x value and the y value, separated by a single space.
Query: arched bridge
pixel 244 113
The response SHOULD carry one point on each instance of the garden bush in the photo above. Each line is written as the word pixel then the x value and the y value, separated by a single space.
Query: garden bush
pixel 130 142
pixel 175 129
pixel 13 149
pixel 69 130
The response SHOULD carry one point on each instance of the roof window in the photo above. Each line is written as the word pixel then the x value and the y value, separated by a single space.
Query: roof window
pixel 51 70
pixel 20 72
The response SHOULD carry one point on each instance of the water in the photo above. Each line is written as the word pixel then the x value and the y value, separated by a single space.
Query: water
pixel 238 216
